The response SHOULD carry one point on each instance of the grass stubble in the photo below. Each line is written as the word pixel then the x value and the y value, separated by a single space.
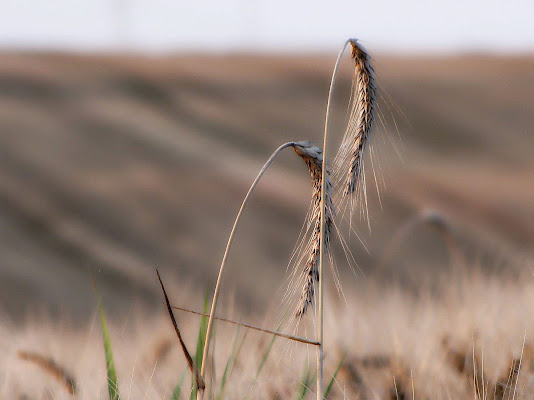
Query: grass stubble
pixel 396 345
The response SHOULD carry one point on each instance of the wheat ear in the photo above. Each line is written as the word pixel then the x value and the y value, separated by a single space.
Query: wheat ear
pixel 313 157
pixel 362 109
pixel 225 256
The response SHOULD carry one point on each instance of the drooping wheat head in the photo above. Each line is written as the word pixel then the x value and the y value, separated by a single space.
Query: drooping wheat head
pixel 313 157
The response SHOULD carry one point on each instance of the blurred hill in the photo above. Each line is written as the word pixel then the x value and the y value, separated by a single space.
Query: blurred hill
pixel 120 164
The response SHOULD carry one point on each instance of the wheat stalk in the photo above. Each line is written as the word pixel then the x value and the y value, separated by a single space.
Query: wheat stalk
pixel 322 241
pixel 200 393
pixel 253 327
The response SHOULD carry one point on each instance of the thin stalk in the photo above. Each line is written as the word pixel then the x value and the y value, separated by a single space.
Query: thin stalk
pixel 253 327
pixel 320 333
pixel 225 256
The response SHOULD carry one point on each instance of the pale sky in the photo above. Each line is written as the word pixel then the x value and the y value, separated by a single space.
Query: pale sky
pixel 275 25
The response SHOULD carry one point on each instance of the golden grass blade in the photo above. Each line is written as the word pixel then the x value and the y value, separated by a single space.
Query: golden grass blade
pixel 51 367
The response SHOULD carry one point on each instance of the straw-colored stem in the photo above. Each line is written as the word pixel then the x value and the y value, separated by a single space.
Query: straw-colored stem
pixel 320 335
pixel 225 256
pixel 255 328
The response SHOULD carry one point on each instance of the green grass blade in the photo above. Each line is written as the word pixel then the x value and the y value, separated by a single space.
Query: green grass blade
pixel 201 341
pixel 303 386
pixel 267 352
pixel 213 376
pixel 178 388
pixel 113 382
pixel 265 356
pixel 305 383
pixel 329 387
pixel 229 364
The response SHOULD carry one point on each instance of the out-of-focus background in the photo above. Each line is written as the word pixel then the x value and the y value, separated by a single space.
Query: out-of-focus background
pixel 131 130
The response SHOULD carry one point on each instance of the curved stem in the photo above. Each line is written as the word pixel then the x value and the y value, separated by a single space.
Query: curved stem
pixel 227 251
pixel 320 336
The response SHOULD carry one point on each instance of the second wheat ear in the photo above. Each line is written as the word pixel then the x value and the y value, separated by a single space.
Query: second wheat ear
pixel 313 157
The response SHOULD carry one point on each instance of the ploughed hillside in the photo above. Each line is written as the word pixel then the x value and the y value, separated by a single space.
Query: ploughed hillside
pixel 121 164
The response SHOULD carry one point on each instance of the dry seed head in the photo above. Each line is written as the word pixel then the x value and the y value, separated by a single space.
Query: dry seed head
pixel 313 157
pixel 362 108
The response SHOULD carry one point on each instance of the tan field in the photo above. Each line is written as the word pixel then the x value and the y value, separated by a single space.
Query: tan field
pixel 113 166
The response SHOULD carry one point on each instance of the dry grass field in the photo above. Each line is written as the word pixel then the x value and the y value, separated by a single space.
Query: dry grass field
pixel 113 166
